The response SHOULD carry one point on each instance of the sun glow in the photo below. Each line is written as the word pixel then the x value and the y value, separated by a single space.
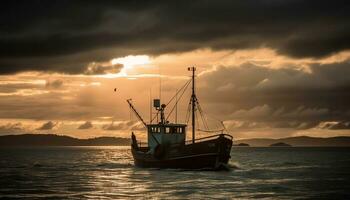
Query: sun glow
pixel 130 62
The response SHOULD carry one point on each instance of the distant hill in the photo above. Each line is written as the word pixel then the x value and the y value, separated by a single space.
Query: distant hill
pixel 299 141
pixel 242 145
pixel 280 144
pixel 58 140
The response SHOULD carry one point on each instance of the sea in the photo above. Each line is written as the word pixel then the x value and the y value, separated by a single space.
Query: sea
pixel 109 173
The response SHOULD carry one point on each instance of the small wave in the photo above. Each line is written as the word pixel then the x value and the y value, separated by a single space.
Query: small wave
pixel 234 165
pixel 114 165
pixel 37 165
pixel 290 163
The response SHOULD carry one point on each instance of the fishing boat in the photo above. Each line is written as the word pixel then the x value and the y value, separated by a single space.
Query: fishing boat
pixel 167 146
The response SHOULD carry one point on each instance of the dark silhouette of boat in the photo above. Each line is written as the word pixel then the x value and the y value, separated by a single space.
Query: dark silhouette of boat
pixel 167 146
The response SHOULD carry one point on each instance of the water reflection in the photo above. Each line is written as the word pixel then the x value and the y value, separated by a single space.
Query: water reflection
pixel 109 173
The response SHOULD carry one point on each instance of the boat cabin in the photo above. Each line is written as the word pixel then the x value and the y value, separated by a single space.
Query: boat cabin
pixel 166 134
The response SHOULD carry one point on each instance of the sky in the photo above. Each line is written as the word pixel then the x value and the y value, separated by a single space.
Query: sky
pixel 265 68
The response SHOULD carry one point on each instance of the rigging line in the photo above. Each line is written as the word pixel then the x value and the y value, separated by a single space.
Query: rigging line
pixel 216 126
pixel 221 122
pixel 223 125
pixel 184 86
pixel 183 92
pixel 155 116
pixel 135 112
pixel 202 115
pixel 204 121
pixel 210 131
pixel 188 112
pixel 210 116
pixel 197 122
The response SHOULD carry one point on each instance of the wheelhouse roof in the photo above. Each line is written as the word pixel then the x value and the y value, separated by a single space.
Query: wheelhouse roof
pixel 168 125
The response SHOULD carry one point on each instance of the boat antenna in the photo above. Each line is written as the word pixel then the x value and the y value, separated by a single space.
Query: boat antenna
pixel 193 102
pixel 150 105
pixel 160 84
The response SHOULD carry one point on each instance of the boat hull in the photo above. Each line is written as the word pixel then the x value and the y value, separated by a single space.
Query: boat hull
pixel 210 154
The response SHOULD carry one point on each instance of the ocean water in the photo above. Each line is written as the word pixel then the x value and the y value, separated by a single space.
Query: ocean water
pixel 109 173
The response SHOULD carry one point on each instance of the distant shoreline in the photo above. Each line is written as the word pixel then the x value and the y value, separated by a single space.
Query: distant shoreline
pixel 45 140
pixel 300 141
pixel 60 140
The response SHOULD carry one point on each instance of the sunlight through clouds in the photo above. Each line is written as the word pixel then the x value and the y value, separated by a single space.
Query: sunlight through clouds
pixel 130 62
pixel 227 81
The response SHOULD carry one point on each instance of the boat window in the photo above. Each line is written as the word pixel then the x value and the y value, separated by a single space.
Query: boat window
pixel 155 129
pixel 169 129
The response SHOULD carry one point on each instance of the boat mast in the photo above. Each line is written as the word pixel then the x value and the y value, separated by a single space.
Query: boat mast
pixel 193 102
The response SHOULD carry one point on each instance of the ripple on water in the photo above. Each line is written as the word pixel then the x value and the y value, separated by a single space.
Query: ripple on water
pixel 109 173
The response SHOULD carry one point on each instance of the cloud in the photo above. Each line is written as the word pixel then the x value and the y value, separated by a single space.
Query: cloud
pixel 254 95
pixel 266 117
pixel 54 84
pixel 11 128
pixel 342 125
pixel 237 125
pixel 79 98
pixel 97 69
pixel 12 85
pixel 288 88
pixel 123 125
pixel 113 126
pixel 256 112
pixel 290 98
pixel 48 39
pixel 47 126
pixel 86 125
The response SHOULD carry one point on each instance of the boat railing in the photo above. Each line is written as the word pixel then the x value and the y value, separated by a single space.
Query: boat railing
pixel 209 138
pixel 145 144
pixel 142 144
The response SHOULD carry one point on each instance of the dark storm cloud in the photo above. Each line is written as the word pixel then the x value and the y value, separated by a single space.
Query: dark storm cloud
pixel 281 98
pixel 66 36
